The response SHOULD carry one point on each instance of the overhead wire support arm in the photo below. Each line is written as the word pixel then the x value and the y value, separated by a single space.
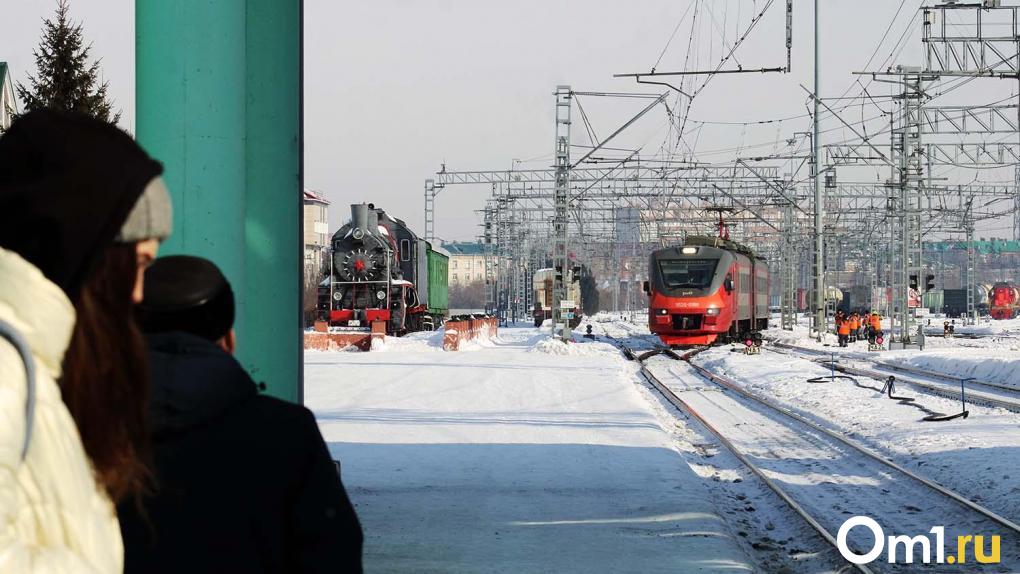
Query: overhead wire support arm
pixel 662 97
pixel 617 94
pixel 771 185
pixel 745 207
pixel 864 139
pixel 639 77
pixel 702 72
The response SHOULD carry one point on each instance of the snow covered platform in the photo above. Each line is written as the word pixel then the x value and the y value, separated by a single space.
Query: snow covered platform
pixel 518 455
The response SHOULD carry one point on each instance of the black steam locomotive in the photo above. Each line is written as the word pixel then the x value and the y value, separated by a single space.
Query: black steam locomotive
pixel 381 271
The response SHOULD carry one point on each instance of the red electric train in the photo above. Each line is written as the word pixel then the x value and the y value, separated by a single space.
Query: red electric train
pixel 1004 301
pixel 709 290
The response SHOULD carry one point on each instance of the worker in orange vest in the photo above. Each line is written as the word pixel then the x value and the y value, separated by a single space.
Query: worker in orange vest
pixel 875 327
pixel 843 330
pixel 876 322
pixel 855 325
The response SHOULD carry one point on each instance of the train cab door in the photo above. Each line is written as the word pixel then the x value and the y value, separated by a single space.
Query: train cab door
pixel 417 317
pixel 730 293
pixel 398 308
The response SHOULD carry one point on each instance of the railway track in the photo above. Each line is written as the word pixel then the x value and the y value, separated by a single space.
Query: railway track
pixel 928 382
pixel 937 333
pixel 822 476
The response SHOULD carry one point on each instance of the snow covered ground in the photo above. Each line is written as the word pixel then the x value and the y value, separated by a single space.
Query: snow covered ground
pixel 518 455
pixel 521 454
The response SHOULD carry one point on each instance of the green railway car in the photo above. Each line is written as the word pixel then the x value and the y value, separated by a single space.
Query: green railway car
pixel 438 280
pixel 432 284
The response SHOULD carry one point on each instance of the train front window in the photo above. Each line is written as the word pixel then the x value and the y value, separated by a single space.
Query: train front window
pixel 687 273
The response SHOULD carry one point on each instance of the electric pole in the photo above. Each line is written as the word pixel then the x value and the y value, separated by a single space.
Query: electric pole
pixel 816 152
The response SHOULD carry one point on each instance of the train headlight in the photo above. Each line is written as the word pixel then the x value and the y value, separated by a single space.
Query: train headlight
pixel 358 233
pixel 662 312
pixel 338 295
pixel 380 295
pixel 689 250
pixel 712 311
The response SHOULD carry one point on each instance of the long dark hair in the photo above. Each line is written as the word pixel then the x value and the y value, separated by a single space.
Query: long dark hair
pixel 105 381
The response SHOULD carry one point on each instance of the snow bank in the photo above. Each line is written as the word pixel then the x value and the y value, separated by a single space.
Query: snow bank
pixel 987 326
pixel 551 346
pixel 428 341
pixel 1000 366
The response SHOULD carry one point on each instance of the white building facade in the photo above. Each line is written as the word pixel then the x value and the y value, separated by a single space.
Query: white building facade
pixel 316 220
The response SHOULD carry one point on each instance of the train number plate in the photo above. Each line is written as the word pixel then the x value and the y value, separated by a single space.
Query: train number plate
pixel 354 323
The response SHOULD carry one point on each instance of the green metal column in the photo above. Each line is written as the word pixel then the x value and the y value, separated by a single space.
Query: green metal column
pixel 274 214
pixel 218 95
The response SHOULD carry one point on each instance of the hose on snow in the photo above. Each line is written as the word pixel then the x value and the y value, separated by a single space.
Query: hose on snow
pixel 888 389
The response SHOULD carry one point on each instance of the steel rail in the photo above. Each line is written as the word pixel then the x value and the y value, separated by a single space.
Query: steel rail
pixel 730 385
pixel 686 407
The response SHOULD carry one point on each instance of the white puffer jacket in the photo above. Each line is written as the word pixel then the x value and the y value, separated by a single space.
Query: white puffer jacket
pixel 54 518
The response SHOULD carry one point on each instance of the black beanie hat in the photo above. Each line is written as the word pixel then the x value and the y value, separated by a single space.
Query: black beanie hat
pixel 67 185
pixel 189 294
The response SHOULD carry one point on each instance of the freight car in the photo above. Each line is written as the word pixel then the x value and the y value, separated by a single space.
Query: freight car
pixel 710 290
pixel 381 271
pixel 955 301
pixel 855 299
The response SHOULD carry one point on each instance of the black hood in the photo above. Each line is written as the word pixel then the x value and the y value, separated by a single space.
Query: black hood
pixel 67 185
pixel 193 382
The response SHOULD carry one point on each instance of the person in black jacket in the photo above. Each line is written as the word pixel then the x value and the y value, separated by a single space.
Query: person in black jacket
pixel 245 482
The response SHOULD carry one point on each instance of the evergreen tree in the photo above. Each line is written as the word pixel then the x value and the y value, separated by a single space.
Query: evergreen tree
pixel 65 80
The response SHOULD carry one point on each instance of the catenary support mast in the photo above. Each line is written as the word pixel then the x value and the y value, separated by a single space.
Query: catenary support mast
pixel 561 218
pixel 816 144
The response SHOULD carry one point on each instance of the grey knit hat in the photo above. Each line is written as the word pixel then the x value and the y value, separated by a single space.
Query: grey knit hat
pixel 151 217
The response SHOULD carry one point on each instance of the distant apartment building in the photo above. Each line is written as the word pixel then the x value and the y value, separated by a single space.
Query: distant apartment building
pixel 316 232
pixel 8 103
pixel 467 262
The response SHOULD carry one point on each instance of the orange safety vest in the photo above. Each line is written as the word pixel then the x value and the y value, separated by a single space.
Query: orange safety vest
pixel 855 323
pixel 876 323
pixel 843 328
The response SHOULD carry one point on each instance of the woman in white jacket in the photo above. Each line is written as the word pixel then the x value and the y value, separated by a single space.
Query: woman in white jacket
pixel 81 210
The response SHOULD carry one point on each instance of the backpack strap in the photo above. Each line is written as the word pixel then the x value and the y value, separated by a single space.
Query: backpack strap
pixel 14 338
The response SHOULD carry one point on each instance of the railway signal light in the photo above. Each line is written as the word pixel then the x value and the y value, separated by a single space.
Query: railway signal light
pixel 913 282
pixel 929 282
